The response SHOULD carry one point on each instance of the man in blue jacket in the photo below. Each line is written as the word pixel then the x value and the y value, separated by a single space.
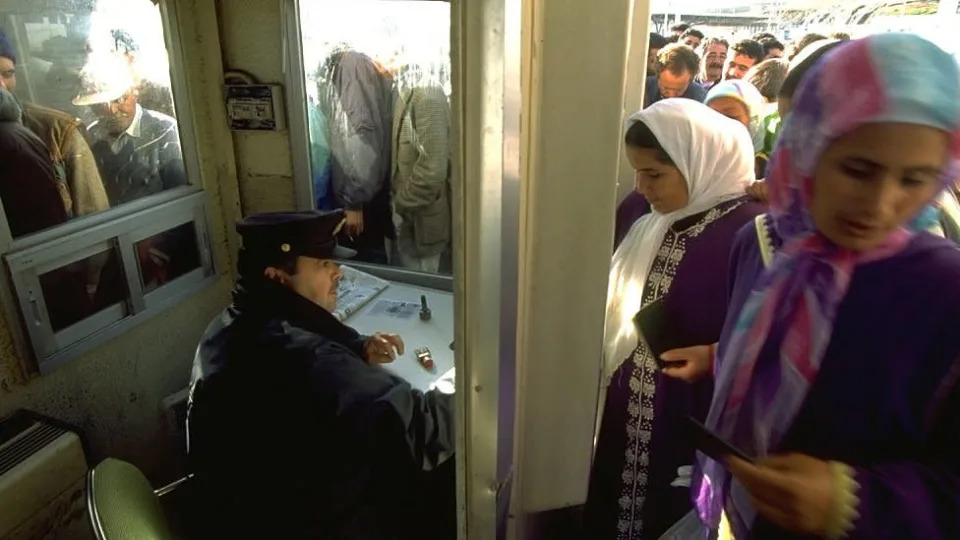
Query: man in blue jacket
pixel 679 65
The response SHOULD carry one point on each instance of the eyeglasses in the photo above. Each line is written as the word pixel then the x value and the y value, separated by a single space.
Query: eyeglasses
pixel 8 73
pixel 109 105
pixel 120 100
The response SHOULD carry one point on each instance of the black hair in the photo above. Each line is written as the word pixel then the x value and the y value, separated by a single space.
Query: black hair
pixel 795 76
pixel 762 36
pixel 804 42
pixel 677 58
pixel 768 77
pixel 331 64
pixel 713 41
pixel 692 32
pixel 640 136
pixel 680 28
pixel 771 43
pixel 251 264
pixel 657 41
pixel 750 48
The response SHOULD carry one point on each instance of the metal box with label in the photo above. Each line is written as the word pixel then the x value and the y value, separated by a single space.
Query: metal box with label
pixel 255 107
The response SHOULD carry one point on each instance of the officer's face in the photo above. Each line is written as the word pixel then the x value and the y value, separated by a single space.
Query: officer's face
pixel 315 279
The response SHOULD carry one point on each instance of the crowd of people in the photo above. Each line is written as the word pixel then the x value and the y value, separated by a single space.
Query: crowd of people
pixel 793 236
pixel 752 82
pixel 380 150
pixel 793 230
pixel 128 151
pixel 68 169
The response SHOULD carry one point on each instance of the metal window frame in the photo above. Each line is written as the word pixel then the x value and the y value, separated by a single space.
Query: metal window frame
pixel 119 228
pixel 180 90
pixel 486 189
pixel 295 78
pixel 487 100
pixel 53 348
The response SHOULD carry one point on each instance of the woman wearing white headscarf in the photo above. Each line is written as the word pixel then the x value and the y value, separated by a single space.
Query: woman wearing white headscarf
pixel 692 166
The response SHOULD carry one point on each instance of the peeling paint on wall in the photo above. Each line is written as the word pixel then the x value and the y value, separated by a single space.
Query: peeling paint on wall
pixel 251 36
pixel 11 374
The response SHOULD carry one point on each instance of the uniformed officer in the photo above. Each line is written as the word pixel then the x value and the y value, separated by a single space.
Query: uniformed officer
pixel 293 430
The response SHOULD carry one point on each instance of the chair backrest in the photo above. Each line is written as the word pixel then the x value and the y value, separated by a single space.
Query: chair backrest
pixel 122 504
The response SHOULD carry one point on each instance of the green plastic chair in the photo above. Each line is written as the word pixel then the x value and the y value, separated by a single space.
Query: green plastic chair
pixel 123 505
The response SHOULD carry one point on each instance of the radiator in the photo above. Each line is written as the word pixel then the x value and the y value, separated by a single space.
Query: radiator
pixel 42 479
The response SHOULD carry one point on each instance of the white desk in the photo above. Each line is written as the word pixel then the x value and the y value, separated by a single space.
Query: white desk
pixel 435 334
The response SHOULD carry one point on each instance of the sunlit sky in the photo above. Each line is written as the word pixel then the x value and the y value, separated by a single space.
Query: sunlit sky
pixel 702 5
pixel 141 19
pixel 697 5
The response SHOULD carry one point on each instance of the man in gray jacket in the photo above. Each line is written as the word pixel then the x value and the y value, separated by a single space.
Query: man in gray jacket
pixel 358 107
pixel 421 173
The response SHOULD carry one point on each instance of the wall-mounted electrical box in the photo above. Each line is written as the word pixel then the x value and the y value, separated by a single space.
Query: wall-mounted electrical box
pixel 256 107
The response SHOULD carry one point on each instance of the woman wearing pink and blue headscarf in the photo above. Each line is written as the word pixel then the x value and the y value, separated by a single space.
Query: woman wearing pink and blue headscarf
pixel 840 373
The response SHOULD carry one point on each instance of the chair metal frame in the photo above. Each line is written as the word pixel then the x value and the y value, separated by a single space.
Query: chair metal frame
pixel 95 522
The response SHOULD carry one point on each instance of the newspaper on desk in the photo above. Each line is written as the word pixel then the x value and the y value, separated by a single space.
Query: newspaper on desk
pixel 355 290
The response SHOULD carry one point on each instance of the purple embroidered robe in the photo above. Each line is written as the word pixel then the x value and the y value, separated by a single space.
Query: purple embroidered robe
pixel 886 400
pixel 640 448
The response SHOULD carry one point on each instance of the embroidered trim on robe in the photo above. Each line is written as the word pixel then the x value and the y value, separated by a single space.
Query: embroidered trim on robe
pixel 642 383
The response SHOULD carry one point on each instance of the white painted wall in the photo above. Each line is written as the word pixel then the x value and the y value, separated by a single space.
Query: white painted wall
pixel 251 38
pixel 576 62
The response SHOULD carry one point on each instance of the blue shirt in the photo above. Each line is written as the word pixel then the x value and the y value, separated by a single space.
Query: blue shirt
pixel 320 158
pixel 652 95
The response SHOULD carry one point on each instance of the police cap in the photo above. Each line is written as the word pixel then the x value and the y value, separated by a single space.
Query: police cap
pixel 309 234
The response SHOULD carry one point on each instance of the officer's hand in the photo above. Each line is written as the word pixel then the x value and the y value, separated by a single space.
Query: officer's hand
pixel 382 348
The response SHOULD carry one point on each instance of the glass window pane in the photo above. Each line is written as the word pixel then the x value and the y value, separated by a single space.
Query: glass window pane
pixel 78 290
pixel 167 256
pixel 378 86
pixel 98 127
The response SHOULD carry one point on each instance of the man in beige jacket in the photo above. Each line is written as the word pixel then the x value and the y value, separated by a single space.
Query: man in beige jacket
pixel 420 177
pixel 78 178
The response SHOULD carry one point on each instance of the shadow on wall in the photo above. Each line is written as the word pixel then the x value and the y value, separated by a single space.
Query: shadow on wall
pixel 559 524
pixel 115 393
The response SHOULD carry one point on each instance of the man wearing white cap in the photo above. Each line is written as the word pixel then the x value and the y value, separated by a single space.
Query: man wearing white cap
pixel 137 149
